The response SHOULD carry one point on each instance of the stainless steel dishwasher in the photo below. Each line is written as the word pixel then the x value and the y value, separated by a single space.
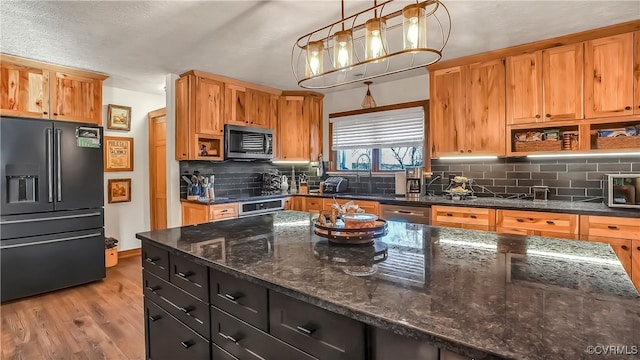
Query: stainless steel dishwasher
pixel 412 214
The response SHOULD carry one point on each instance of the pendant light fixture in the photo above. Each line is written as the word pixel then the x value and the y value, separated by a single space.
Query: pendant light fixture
pixel 385 39
pixel 368 102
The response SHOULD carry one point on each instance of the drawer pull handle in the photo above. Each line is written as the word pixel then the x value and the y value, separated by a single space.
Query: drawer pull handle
pixel 186 344
pixel 154 318
pixel 151 261
pixel 403 212
pixel 612 227
pixel 153 289
pixel 473 216
pixel 233 339
pixel 624 247
pixel 186 310
pixel 184 275
pixel 307 330
pixel 234 297
pixel 519 220
pixel 550 222
pixel 449 214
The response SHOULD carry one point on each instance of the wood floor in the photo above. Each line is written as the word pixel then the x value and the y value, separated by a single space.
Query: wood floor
pixel 101 320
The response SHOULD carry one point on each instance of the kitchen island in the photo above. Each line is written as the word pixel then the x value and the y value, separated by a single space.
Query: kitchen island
pixel 475 293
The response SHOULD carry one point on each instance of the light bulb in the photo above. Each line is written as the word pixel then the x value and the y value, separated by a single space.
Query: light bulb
pixel 376 44
pixel 343 55
pixel 314 63
pixel 412 33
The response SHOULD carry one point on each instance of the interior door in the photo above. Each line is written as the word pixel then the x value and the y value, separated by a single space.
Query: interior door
pixel 26 174
pixel 157 169
pixel 79 177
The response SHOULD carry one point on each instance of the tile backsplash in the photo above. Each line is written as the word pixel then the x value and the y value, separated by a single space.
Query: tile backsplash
pixel 577 179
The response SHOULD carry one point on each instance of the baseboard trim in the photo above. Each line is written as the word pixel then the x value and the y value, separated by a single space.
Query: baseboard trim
pixel 129 253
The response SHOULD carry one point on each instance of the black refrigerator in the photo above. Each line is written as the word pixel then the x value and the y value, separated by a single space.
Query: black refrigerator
pixel 51 215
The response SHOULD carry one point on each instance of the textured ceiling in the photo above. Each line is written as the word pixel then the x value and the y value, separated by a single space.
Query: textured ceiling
pixel 138 42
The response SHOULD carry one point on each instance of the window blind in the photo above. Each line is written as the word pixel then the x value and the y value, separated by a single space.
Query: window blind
pixel 393 128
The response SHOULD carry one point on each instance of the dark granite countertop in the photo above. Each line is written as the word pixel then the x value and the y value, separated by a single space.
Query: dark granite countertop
pixel 482 294
pixel 569 207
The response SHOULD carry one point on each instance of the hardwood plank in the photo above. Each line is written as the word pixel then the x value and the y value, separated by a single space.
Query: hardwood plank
pixel 101 320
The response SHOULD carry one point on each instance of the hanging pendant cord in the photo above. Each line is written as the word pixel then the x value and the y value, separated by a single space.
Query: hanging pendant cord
pixel 342 1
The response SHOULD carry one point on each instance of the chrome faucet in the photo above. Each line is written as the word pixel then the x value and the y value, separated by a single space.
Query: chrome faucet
pixel 369 189
pixel 431 193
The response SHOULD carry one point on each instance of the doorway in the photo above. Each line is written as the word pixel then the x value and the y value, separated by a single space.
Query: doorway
pixel 158 168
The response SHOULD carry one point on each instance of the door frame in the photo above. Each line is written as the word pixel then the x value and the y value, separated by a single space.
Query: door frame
pixel 152 161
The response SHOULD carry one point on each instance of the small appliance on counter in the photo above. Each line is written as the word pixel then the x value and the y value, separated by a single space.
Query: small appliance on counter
pixel 335 184
pixel 401 183
pixel 622 190
pixel 540 193
pixel 414 187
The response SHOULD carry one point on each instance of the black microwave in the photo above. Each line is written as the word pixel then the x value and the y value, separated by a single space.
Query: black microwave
pixel 247 143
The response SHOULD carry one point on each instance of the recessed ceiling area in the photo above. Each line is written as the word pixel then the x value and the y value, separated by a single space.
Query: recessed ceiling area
pixel 138 42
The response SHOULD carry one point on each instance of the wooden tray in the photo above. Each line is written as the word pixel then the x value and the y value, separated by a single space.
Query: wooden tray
pixel 532 146
pixel 341 235
pixel 618 142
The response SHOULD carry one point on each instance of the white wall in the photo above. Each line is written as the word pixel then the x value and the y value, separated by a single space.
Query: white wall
pixel 123 220
pixel 393 92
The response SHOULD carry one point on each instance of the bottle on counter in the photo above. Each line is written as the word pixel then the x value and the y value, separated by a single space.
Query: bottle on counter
pixel 293 188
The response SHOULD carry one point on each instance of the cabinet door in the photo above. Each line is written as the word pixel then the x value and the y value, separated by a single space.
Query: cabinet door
pixel 193 214
pixel 562 87
pixel 524 88
pixel 184 100
pixel 258 108
pixel 313 116
pixel 209 106
pixel 293 132
pixel 636 74
pixel 274 111
pixel 235 99
pixel 447 111
pixel 608 79
pixel 24 91
pixel 76 98
pixel 485 103
pixel 635 265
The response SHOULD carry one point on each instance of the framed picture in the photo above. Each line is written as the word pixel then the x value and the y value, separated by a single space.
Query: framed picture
pixel 118 153
pixel 119 117
pixel 119 190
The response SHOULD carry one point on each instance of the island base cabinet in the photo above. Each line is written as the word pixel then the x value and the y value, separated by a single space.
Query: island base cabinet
pixel 246 342
pixel 218 354
pixel 168 339
pixel 389 346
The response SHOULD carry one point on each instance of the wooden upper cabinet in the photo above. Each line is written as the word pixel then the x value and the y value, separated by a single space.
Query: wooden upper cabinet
pixel 562 82
pixel 184 107
pixel 608 76
pixel 259 110
pixel 485 109
pixel 524 88
pixel 235 98
pixel 25 91
pixel 313 112
pixel 636 75
pixel 76 98
pixel 274 110
pixel 293 131
pixel 447 106
pixel 209 106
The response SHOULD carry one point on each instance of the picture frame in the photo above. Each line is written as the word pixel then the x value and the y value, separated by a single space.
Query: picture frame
pixel 118 153
pixel 118 117
pixel 119 190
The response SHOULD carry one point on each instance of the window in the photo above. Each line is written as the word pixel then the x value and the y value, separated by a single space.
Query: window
pixel 386 140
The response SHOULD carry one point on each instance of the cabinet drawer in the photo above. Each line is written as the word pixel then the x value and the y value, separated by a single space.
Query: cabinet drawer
pixel 191 277
pixel 316 331
pixel 223 211
pixel 218 354
pixel 313 205
pixel 178 303
pixel 240 298
pixel 483 219
pixel 155 260
pixel 612 227
pixel 169 339
pixel 245 342
pixel 538 221
pixel 635 263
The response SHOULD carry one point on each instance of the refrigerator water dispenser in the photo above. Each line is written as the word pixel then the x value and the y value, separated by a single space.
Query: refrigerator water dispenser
pixel 22 188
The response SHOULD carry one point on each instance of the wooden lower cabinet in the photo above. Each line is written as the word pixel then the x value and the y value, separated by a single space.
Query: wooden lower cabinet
pixel 537 223
pixel 193 213
pixel 635 263
pixel 463 217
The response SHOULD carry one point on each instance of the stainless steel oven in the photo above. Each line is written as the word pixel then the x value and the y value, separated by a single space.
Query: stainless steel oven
pixel 259 207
